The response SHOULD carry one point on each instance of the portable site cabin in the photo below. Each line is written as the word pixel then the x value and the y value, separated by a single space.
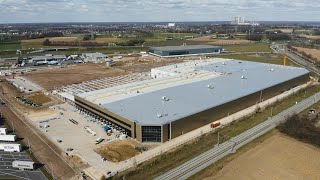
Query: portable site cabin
pixel 29 165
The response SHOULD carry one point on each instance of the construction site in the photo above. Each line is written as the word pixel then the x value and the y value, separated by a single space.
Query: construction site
pixel 124 115
pixel 159 99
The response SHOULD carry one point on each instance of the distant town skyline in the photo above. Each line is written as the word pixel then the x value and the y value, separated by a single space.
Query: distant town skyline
pixel 32 11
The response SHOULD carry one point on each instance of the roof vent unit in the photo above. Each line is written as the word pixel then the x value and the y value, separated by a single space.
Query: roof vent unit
pixel 165 98
pixel 243 77
pixel 224 63
pixel 210 86
pixel 159 115
pixel 175 66
pixel 272 69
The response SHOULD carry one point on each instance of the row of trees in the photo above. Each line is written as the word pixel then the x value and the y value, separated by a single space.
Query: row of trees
pixel 89 37
pixel 46 34
pixel 272 36
pixel 302 129
pixel 255 37
pixel 131 42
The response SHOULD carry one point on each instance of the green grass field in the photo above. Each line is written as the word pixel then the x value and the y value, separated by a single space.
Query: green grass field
pixel 154 167
pixel 162 36
pixel 249 48
pixel 10 46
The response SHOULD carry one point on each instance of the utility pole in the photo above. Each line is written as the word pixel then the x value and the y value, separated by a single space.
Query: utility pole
pixel 12 126
pixel 285 57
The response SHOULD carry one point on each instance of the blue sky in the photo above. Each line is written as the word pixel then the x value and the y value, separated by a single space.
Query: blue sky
pixel 24 11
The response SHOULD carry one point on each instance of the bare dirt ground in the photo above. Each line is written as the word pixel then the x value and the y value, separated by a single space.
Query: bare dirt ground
pixel 54 78
pixel 285 30
pixel 221 41
pixel 144 67
pixel 311 37
pixel 66 39
pixel 230 41
pixel 75 161
pixel 118 150
pixel 278 157
pixel 11 93
pixel 314 52
pixel 38 98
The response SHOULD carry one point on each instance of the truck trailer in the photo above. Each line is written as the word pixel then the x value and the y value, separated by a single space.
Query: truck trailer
pixel 28 165
pixel 11 147
pixel 8 138
pixel 3 131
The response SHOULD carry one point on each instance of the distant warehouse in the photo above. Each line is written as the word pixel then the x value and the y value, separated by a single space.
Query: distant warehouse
pixel 171 51
pixel 183 97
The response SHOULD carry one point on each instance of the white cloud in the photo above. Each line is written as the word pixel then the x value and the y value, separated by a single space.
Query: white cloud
pixel 155 10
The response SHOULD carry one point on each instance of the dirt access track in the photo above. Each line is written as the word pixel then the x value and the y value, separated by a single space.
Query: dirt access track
pixel 54 78
pixel 277 157
pixel 42 148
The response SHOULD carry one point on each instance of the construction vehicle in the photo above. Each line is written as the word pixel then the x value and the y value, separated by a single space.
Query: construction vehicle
pixel 99 140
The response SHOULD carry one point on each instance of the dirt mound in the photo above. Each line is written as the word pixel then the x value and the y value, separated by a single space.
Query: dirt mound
pixel 38 98
pixel 119 150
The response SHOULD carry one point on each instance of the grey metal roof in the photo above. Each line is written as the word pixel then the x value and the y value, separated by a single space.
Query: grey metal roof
pixel 195 97
pixel 38 58
pixel 94 55
pixel 178 48
pixel 59 56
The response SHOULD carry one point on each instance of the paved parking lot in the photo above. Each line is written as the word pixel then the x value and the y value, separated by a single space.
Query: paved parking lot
pixel 58 127
pixel 8 172
pixel 26 85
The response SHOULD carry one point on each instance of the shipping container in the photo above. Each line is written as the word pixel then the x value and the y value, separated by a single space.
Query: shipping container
pixel 11 147
pixel 29 165
pixel 3 131
pixel 8 138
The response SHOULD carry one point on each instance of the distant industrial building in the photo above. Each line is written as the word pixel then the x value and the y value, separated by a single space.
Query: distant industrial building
pixel 46 59
pixel 172 51
pixel 240 21
pixel 170 25
pixel 186 96
pixel 95 57
pixel 8 61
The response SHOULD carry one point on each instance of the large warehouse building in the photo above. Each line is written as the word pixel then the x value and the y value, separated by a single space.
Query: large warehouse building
pixel 172 51
pixel 186 96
